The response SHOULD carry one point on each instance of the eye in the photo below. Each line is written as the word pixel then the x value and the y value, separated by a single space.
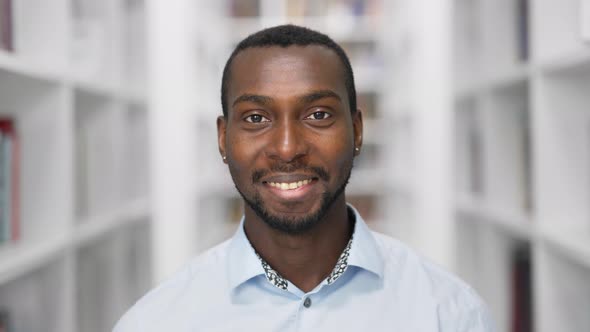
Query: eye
pixel 318 115
pixel 256 118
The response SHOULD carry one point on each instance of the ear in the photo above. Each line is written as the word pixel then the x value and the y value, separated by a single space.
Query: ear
pixel 357 125
pixel 221 128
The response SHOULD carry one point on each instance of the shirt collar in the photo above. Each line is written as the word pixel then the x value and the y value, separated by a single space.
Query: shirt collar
pixel 244 263
pixel 364 252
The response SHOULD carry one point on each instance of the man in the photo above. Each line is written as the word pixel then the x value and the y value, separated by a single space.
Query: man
pixel 302 259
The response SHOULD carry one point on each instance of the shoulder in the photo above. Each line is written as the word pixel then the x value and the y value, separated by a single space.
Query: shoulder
pixel 171 295
pixel 459 307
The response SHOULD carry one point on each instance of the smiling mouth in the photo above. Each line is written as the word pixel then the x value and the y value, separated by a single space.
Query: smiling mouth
pixel 290 185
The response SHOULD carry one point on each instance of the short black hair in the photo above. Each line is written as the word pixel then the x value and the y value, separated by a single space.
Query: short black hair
pixel 285 36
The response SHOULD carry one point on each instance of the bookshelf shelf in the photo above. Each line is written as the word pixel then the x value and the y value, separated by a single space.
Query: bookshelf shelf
pixel 574 246
pixel 17 66
pixel 568 63
pixel 51 96
pixel 20 258
pixel 131 213
pixel 512 76
pixel 514 223
pixel 119 91
pixel 522 127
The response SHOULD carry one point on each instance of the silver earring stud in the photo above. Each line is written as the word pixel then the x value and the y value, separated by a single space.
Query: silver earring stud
pixel 224 158
pixel 357 149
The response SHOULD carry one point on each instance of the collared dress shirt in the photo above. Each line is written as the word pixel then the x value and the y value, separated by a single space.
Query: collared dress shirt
pixel 385 286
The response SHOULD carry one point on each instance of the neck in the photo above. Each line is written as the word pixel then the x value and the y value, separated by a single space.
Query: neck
pixel 303 259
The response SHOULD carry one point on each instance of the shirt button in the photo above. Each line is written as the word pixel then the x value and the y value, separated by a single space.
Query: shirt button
pixel 307 302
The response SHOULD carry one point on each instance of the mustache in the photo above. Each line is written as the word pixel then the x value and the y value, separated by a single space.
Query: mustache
pixel 320 172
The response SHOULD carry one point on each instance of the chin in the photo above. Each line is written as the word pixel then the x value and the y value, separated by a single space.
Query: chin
pixel 293 224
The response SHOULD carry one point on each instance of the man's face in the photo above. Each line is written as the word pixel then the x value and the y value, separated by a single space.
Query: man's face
pixel 289 136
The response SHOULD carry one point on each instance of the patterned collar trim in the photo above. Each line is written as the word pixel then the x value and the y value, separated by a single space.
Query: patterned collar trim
pixel 278 281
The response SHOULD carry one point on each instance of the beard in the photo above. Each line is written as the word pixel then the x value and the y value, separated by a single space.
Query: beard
pixel 297 225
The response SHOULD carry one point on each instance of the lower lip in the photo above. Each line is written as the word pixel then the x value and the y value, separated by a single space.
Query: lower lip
pixel 292 194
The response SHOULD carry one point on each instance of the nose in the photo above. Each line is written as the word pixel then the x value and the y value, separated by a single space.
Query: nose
pixel 288 141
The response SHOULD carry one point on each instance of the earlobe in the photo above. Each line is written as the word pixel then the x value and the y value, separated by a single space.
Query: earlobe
pixel 221 130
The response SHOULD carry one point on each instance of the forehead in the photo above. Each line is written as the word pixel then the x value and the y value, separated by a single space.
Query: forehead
pixel 286 71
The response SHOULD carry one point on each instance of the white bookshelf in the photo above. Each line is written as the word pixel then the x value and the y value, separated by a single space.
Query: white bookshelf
pixel 417 99
pixel 526 182
pixel 81 114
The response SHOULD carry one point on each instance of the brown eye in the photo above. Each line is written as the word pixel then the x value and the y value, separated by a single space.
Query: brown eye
pixel 319 115
pixel 256 118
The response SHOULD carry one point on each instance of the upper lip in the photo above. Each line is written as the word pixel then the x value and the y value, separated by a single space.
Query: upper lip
pixel 288 178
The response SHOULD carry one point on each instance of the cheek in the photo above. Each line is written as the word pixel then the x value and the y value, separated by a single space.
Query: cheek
pixel 242 152
pixel 336 151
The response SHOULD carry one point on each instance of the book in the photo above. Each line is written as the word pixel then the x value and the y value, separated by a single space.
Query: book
pixel 9 183
pixel 15 187
pixel 245 8
pixel 475 166
pixel 522 30
pixel 6 38
pixel 522 294
pixel 585 20
pixel 5 187
pixel 4 222
pixel 5 321
pixel 527 161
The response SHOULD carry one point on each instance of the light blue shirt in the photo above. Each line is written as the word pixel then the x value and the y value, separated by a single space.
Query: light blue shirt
pixel 386 287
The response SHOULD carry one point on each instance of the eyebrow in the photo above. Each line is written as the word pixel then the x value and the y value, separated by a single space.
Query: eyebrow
pixel 304 99
pixel 258 99
pixel 317 95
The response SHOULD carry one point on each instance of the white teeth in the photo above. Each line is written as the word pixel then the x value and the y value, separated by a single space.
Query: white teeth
pixel 289 186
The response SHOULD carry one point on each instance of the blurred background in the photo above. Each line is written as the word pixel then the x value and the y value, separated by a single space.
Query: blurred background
pixel 476 147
